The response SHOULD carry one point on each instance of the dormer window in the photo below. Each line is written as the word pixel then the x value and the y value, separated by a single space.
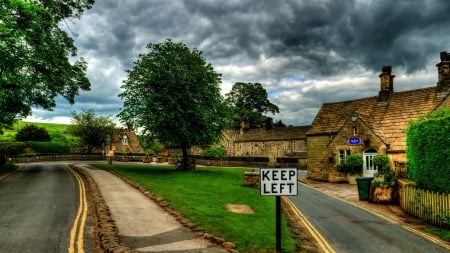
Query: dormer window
pixel 124 140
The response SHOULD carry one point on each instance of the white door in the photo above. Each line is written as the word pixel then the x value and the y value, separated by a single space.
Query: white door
pixel 369 169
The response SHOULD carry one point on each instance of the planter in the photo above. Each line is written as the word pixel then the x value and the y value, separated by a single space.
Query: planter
pixel 382 194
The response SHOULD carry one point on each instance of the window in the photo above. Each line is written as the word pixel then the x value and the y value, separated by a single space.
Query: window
pixel 355 131
pixel 263 146
pixel 343 155
pixel 125 140
pixel 294 144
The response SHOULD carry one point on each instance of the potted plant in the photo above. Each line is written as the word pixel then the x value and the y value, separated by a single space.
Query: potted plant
pixel 383 186
pixel 354 164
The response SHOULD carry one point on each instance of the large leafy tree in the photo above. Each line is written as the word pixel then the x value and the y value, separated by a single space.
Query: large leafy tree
pixel 173 95
pixel 249 103
pixel 94 131
pixel 34 56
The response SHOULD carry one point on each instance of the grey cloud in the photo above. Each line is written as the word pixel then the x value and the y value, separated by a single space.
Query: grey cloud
pixel 311 41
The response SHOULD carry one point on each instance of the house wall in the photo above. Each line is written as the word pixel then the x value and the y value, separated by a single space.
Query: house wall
pixel 318 157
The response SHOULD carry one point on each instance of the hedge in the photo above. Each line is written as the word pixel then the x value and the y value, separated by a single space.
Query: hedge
pixel 428 151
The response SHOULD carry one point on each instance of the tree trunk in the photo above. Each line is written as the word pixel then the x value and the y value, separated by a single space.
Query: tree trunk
pixel 185 163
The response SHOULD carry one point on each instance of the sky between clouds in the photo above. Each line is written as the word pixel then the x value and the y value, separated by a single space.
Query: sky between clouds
pixel 303 52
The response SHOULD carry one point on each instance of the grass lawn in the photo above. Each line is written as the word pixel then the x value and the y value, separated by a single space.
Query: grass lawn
pixel 201 196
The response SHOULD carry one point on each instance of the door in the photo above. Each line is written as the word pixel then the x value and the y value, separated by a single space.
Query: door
pixel 369 169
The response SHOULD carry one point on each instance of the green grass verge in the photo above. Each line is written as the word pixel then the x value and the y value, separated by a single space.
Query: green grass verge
pixel 201 196
pixel 6 168
pixel 443 233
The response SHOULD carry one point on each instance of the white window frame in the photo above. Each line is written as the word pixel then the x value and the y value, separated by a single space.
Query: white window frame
pixel 343 153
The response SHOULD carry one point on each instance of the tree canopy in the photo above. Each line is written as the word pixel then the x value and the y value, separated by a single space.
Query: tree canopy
pixel 34 56
pixel 249 103
pixel 93 130
pixel 174 95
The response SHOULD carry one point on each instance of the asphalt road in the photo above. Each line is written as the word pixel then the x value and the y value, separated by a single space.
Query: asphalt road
pixel 39 205
pixel 347 228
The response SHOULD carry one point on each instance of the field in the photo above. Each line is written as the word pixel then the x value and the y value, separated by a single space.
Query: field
pixel 58 132
pixel 201 196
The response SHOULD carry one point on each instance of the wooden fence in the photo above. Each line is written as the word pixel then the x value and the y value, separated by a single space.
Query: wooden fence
pixel 431 207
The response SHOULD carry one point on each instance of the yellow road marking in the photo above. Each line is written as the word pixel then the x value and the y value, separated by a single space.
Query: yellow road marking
pixel 82 213
pixel 315 234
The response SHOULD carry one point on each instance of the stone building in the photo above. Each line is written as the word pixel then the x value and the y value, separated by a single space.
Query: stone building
pixel 278 142
pixel 373 125
pixel 124 141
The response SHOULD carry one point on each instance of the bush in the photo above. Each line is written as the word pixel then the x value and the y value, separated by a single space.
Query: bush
pixel 428 151
pixel 382 163
pixel 354 163
pixel 33 133
pixel 49 147
pixel 216 152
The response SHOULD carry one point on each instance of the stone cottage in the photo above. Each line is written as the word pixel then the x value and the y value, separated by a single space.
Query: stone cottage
pixel 278 142
pixel 373 125
pixel 125 141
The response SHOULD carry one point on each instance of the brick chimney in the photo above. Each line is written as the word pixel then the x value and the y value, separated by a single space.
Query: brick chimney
pixel 386 84
pixel 443 84
pixel 245 125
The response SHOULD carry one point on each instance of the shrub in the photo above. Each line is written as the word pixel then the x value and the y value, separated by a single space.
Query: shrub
pixel 49 147
pixel 382 163
pixel 33 133
pixel 216 152
pixel 428 151
pixel 354 163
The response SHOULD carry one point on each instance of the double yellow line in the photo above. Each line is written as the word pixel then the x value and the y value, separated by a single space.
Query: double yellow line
pixel 77 231
pixel 323 244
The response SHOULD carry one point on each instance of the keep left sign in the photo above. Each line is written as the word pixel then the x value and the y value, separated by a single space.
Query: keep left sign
pixel 278 181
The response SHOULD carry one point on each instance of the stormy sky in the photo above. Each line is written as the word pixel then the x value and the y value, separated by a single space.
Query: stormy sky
pixel 303 52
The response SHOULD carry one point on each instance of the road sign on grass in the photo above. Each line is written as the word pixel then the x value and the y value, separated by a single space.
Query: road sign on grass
pixel 278 181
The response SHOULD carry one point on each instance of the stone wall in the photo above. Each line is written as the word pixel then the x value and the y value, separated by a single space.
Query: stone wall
pixel 252 179
pixel 318 157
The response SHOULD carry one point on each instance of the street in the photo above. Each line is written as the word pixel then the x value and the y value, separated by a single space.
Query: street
pixel 347 228
pixel 43 208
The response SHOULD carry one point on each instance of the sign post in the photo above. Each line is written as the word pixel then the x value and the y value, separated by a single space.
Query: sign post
pixel 278 182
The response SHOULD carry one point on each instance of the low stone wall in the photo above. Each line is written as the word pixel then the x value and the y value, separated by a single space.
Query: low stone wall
pixel 252 179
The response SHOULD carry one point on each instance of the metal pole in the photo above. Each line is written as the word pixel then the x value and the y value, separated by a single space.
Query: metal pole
pixel 278 223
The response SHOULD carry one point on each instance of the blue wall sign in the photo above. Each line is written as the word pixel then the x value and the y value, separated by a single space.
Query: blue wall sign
pixel 354 141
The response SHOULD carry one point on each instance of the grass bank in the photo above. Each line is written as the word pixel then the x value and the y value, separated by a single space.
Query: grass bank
pixel 7 168
pixel 201 196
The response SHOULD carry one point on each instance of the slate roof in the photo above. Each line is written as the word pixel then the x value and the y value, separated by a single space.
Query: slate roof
pixel 275 134
pixel 388 120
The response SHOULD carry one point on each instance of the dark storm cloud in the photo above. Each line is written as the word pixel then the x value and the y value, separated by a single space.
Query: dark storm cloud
pixel 303 52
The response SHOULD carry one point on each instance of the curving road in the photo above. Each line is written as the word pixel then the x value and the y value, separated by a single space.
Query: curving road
pixel 347 228
pixel 43 209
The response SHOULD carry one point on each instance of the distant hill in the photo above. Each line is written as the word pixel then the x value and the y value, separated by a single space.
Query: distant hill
pixel 58 132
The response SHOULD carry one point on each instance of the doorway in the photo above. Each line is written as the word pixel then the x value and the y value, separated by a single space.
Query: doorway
pixel 369 168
